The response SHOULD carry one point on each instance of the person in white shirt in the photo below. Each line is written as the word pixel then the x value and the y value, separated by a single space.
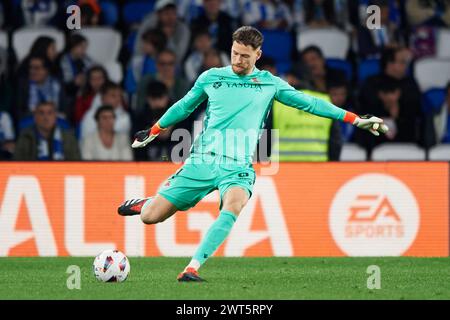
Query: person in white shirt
pixel 194 62
pixel 111 94
pixel 106 144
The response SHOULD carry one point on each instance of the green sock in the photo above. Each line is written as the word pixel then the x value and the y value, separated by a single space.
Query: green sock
pixel 215 236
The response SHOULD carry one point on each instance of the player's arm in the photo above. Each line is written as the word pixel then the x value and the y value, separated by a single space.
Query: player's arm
pixel 289 96
pixel 176 113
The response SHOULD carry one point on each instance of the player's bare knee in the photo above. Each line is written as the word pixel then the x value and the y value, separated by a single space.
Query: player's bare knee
pixel 235 206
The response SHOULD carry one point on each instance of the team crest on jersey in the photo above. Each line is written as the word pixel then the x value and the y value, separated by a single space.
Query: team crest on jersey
pixel 255 80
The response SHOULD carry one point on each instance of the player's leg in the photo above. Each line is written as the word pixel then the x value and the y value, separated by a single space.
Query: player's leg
pixel 157 210
pixel 233 200
pixel 152 210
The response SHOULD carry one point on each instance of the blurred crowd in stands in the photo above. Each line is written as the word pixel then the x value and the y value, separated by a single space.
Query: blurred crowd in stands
pixel 63 98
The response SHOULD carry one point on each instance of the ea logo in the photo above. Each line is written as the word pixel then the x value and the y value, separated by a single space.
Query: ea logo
pixel 374 215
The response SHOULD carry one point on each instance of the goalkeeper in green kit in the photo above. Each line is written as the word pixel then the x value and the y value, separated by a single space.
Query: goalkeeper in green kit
pixel 239 99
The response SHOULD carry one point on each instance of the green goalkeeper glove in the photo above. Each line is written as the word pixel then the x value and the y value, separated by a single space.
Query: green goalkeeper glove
pixel 371 123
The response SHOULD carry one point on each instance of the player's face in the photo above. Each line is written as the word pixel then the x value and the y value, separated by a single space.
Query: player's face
pixel 243 58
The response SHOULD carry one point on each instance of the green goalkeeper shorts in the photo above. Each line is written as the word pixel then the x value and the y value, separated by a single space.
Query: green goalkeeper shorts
pixel 203 173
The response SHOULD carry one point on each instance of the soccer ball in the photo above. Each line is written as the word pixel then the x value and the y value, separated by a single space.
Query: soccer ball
pixel 111 266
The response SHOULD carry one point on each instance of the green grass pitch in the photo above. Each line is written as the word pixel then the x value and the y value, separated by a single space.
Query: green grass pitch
pixel 232 278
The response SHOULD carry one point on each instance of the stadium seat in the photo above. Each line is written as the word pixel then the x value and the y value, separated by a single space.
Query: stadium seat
pixel 443 44
pixel 367 68
pixel 110 12
pixel 114 70
pixel 393 151
pixel 440 152
pixel 342 65
pixel 432 73
pixel 104 43
pixel 433 100
pixel 333 42
pixel 135 11
pixel 277 45
pixel 353 152
pixel 283 67
pixel 23 39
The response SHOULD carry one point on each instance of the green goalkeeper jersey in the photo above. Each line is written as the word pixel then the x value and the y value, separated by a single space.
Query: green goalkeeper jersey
pixel 237 108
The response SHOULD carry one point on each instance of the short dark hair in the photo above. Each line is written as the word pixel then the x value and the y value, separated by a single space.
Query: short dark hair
pixel 46 63
pixel 101 109
pixel 200 33
pixel 157 89
pixel 265 61
pixel 314 49
pixel 337 83
pixel 75 40
pixel 389 55
pixel 45 103
pixel 109 85
pixel 248 36
pixel 156 37
pixel 388 85
pixel 165 51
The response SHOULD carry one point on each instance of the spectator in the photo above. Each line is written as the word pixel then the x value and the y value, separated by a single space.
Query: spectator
pixel 268 64
pixel 264 147
pixel 38 12
pixel 96 77
pixel 74 63
pixel 393 95
pixel 320 13
pixel 45 140
pixel 7 136
pixel 40 86
pixel 194 62
pixel 371 42
pixel 90 13
pixel 153 42
pixel 434 13
pixel 111 95
pixel 304 137
pixel 268 14
pixel 45 47
pixel 217 23
pixel 157 102
pixel 3 58
pixel 106 144
pixel 212 59
pixel 424 18
pixel 165 19
pixel 6 88
pixel 312 71
pixel 341 96
pixel 2 15
pixel 442 120
pixel 166 73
